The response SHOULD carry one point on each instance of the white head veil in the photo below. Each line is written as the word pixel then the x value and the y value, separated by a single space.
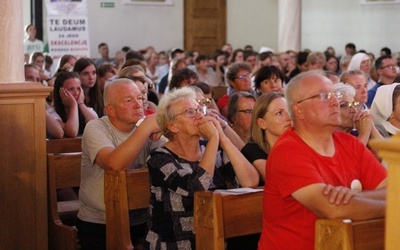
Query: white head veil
pixel 382 107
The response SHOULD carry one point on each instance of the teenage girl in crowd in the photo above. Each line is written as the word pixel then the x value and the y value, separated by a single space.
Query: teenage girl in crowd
pixel 88 75
pixel 69 108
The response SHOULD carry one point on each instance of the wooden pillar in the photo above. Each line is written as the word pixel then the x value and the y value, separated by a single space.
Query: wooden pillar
pixel 23 191
pixel 389 150
pixel 289 32
pixel 11 40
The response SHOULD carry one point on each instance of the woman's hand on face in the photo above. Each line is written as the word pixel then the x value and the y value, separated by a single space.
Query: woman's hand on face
pixel 67 99
pixel 213 113
pixel 207 128
pixel 81 97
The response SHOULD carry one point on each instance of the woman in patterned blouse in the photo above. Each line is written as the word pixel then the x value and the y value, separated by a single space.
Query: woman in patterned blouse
pixel 198 157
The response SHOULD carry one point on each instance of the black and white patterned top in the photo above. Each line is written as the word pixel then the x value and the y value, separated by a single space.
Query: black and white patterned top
pixel 173 182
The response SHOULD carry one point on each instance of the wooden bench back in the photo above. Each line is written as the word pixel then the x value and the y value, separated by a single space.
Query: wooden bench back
pixel 123 191
pixel 63 171
pixel 218 217
pixel 349 235
pixel 219 91
pixel 64 145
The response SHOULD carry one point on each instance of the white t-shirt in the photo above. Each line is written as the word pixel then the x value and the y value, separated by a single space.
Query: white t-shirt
pixel 98 134
pixel 32 46
pixel 53 113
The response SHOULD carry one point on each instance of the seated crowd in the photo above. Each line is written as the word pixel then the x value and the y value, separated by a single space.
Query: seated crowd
pixel 296 123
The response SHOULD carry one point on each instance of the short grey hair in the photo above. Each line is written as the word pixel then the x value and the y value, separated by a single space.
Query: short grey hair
pixel 109 96
pixel 164 112
pixel 230 74
pixel 346 89
pixel 294 86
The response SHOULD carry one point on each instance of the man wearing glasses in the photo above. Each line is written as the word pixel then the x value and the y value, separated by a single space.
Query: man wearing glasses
pixel 314 171
pixel 387 70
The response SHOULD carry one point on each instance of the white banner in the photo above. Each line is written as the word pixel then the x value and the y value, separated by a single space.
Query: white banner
pixel 67 28
pixel 68 35
pixel 66 7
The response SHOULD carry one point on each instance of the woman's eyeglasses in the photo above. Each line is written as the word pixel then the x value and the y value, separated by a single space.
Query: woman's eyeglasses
pixel 242 77
pixel 346 105
pixel 205 101
pixel 192 112
pixel 246 111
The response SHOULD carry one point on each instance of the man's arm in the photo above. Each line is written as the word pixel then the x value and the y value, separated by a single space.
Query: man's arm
pixel 126 153
pixel 357 208
pixel 342 195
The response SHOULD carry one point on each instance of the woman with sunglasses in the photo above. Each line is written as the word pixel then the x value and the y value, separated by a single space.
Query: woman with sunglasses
pixel 197 157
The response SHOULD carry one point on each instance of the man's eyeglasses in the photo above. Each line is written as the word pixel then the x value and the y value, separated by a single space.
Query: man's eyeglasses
pixel 346 105
pixel 246 111
pixel 325 96
pixel 192 112
pixel 393 66
pixel 205 101
pixel 242 77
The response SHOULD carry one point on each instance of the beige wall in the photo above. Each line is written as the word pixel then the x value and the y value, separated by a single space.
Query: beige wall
pixel 252 22
pixel 136 26
pixel 324 23
pixel 338 22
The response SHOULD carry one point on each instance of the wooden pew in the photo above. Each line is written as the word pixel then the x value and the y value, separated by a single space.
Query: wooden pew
pixel 335 234
pixel 220 216
pixel 123 191
pixel 63 171
pixel 64 145
pixel 219 91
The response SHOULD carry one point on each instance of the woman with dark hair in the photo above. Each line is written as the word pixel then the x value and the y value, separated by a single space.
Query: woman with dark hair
pixel 181 78
pixel 87 71
pixel 240 111
pixel 175 64
pixel 238 56
pixel 67 62
pixel 267 79
pixel 332 63
pixel 69 108
pixel 37 59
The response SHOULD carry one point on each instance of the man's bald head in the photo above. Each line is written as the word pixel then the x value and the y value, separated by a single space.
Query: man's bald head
pixel 110 90
pixel 297 88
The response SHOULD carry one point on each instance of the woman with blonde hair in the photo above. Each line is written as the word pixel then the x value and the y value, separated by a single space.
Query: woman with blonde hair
pixel 197 157
pixel 269 121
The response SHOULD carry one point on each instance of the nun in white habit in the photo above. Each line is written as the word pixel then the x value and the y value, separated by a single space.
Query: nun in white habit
pixel 386 107
pixel 361 61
